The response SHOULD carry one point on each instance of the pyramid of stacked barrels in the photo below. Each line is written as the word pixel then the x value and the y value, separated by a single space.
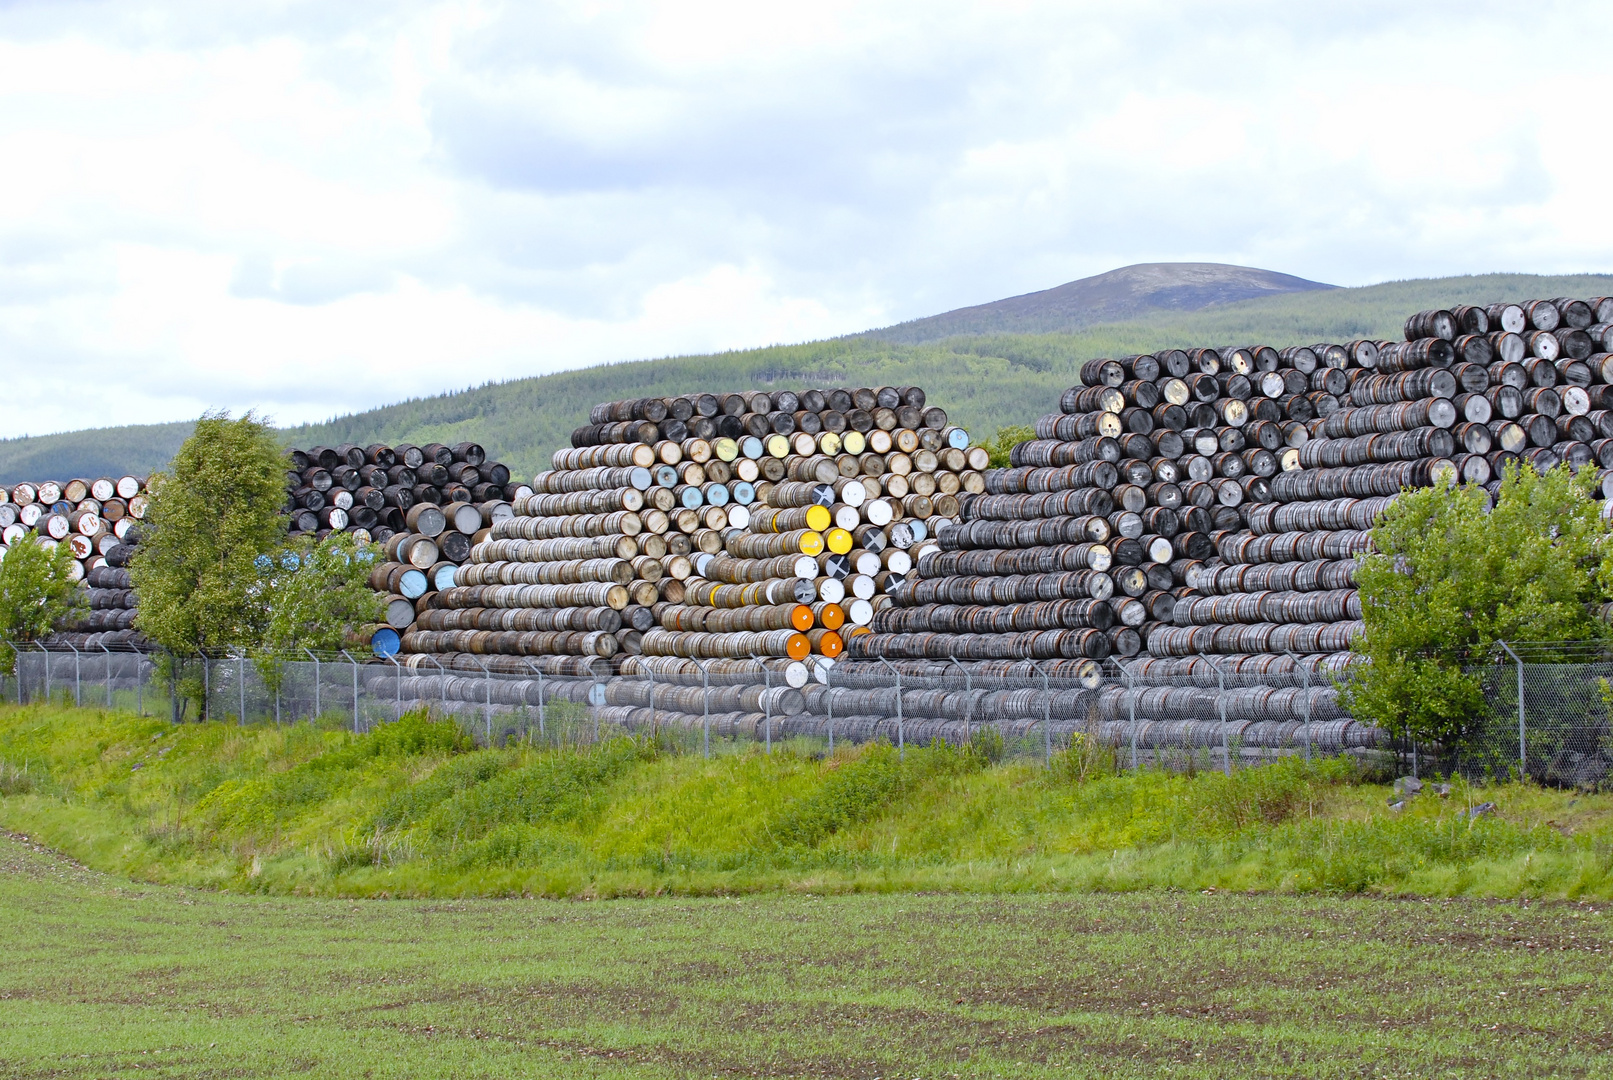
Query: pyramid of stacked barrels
pixel 425 506
pixel 99 521
pixel 711 548
pixel 1196 515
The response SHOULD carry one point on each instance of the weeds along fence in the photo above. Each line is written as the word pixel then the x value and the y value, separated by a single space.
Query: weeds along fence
pixel 1202 713
pixel 1181 713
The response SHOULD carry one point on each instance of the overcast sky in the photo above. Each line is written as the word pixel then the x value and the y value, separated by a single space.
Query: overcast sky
pixel 313 208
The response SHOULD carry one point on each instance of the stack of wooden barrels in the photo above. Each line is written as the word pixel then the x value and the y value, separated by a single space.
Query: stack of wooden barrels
pixel 99 522
pixel 736 535
pixel 1209 504
pixel 425 506
pixel 376 492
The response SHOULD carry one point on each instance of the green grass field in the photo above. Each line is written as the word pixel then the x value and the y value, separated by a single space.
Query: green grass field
pixel 104 978
pixel 860 915
pixel 414 810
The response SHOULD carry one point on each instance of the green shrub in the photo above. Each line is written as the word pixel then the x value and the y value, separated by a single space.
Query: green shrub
pixel 1451 578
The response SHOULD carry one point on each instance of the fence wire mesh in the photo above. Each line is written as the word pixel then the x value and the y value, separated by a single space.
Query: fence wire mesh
pixel 1198 712
pixel 1549 721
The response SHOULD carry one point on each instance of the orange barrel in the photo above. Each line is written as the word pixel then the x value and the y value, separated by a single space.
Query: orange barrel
pixel 826 643
pixel 829 615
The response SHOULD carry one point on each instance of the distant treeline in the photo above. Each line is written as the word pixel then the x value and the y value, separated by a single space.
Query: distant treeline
pixel 983 381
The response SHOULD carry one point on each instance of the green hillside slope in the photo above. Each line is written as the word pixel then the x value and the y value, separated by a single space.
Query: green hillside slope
pixel 984 382
pixel 139 448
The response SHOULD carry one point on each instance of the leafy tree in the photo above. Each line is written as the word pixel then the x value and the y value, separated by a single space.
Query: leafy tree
pixel 313 594
pixel 209 520
pixel 1004 441
pixel 37 591
pixel 1451 578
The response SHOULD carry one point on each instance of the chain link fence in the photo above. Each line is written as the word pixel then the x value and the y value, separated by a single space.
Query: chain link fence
pixel 1196 713
pixel 1548 710
pixel 1548 715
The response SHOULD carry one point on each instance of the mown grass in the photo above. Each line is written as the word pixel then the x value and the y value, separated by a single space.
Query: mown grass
pixel 103 978
pixel 412 809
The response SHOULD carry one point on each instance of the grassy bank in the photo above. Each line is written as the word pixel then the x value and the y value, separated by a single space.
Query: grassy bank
pixel 412 810
pixel 103 978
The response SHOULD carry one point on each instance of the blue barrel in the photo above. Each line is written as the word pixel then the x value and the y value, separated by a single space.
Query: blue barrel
pixel 385 642
pixel 444 578
pixel 742 492
pixel 413 584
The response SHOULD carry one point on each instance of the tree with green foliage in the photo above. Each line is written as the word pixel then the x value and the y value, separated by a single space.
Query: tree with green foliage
pixel 1004 441
pixel 1452 577
pixel 209 520
pixel 313 594
pixel 37 591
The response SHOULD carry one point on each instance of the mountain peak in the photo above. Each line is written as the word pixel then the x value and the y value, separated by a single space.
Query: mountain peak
pixel 1108 297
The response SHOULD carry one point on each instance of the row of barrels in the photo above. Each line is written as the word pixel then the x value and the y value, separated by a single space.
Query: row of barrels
pixel 1301 638
pixel 378 491
pixel 440 688
pixel 98 520
pixel 760 414
pixel 1546 315
pixel 1112 701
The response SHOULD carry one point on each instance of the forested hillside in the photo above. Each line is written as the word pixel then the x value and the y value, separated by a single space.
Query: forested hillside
pixel 984 381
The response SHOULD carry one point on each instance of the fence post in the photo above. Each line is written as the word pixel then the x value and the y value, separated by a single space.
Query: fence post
pixel 140 683
pixel 77 684
pixel 1047 716
pixel 1221 704
pixel 47 673
pixel 399 699
pixel 901 729
pixel 969 710
pixel 767 701
pixel 207 690
pixel 316 681
pixel 1305 676
pixel 1523 756
pixel 530 666
pixel 442 681
pixel 705 706
pixel 108 653
pixel 240 679
pixel 350 660
pixel 830 702
pixel 1131 707
pixel 487 702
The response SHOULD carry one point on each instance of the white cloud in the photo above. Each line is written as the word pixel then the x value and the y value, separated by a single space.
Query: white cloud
pixel 313 208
